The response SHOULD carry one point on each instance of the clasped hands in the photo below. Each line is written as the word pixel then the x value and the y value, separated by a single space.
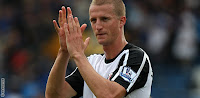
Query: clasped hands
pixel 70 33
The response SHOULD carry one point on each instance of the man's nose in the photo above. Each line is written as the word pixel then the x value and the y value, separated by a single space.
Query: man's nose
pixel 99 25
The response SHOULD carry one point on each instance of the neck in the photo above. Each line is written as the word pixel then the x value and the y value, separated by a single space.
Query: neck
pixel 111 51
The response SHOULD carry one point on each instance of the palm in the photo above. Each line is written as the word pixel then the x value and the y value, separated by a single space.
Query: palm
pixel 60 30
pixel 62 38
pixel 62 19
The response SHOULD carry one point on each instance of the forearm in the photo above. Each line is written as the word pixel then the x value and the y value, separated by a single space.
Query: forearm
pixel 56 79
pixel 100 86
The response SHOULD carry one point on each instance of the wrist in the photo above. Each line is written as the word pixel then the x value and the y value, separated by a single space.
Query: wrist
pixel 63 52
pixel 78 56
pixel 80 60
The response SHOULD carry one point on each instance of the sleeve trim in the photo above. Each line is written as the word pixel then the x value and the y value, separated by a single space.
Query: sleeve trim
pixel 145 58
pixel 138 72
pixel 124 64
pixel 72 73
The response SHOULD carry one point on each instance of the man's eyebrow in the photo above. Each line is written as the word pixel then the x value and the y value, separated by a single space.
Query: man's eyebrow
pixel 92 18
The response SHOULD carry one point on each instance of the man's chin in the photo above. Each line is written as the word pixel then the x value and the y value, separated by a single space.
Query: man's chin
pixel 103 43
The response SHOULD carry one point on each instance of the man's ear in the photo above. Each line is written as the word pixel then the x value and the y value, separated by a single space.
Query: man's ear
pixel 122 21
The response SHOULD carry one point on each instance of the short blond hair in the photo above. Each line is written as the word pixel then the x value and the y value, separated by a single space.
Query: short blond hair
pixel 119 6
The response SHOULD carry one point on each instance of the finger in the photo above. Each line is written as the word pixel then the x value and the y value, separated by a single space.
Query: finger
pixel 86 43
pixel 64 14
pixel 60 18
pixel 77 21
pixel 77 25
pixel 71 29
pixel 74 25
pixel 56 26
pixel 83 27
pixel 66 30
pixel 69 11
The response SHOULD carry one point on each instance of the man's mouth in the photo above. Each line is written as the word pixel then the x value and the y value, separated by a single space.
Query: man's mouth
pixel 100 34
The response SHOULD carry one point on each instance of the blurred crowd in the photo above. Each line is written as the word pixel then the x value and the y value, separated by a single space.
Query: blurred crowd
pixel 169 30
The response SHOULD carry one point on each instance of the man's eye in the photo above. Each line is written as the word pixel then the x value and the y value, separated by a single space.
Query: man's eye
pixel 93 20
pixel 104 18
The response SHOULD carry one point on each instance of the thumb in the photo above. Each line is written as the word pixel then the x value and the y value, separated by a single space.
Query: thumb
pixel 86 43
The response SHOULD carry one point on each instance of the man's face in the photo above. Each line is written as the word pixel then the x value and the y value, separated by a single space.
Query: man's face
pixel 105 23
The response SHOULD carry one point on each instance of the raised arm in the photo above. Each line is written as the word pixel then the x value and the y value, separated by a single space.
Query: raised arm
pixel 56 86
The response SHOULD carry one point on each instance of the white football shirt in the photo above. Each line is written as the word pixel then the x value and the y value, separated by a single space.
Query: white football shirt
pixel 131 69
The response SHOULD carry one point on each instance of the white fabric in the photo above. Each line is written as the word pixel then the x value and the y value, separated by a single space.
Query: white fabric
pixel 99 65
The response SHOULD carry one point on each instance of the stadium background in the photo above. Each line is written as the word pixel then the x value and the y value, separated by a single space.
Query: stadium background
pixel 169 30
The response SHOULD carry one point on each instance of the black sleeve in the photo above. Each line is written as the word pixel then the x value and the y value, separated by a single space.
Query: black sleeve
pixel 133 75
pixel 76 81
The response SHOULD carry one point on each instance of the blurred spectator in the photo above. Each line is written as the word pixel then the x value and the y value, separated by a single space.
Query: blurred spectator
pixel 185 46
pixel 195 82
pixel 158 36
